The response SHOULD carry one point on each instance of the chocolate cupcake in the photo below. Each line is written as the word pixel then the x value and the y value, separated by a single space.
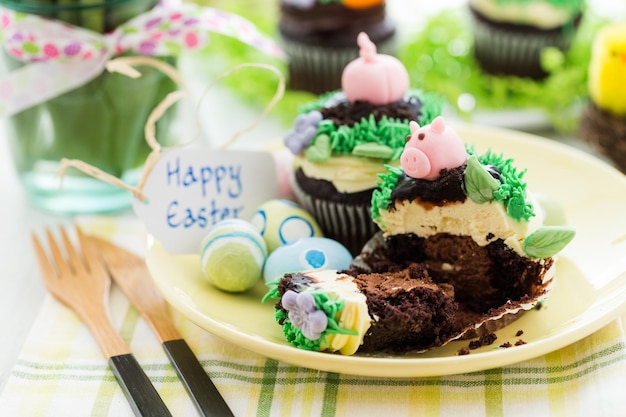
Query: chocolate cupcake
pixel 318 38
pixel 510 35
pixel 343 140
pixel 470 220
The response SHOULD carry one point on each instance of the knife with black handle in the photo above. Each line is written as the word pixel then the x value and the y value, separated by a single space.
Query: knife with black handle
pixel 131 274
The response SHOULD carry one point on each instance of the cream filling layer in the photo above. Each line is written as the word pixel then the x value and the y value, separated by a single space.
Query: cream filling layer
pixel 484 223
pixel 349 174
pixel 538 13
pixel 354 315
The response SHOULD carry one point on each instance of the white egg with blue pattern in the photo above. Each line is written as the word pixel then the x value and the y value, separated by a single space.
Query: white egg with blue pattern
pixel 281 222
pixel 306 254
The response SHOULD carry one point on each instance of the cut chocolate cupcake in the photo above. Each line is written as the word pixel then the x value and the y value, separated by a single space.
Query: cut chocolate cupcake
pixel 393 312
pixel 462 251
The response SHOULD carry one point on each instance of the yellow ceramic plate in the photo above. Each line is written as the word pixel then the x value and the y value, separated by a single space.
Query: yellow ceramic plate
pixel 589 293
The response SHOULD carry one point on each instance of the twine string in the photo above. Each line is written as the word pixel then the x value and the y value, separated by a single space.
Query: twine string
pixel 278 95
pixel 125 66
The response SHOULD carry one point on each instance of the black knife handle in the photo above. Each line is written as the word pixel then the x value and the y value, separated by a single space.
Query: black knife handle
pixel 205 395
pixel 141 394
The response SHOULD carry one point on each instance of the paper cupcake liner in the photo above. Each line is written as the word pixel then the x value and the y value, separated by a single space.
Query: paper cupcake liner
pixel 501 317
pixel 318 69
pixel 349 224
pixel 505 51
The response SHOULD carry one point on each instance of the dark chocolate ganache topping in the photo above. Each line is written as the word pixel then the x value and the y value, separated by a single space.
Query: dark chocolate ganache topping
pixel 344 113
pixel 447 188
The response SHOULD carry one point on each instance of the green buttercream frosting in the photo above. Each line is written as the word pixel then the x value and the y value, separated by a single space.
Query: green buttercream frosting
pixel 512 190
pixel 293 334
pixel 383 139
pixel 547 241
pixel 381 197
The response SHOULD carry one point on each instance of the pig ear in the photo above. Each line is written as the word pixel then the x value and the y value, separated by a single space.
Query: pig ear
pixel 413 126
pixel 438 125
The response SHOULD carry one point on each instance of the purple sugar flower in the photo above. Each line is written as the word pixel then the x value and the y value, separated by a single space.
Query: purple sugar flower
pixel 305 128
pixel 304 315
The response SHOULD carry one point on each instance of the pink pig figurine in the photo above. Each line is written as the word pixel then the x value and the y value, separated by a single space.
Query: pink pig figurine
pixel 431 148
pixel 375 78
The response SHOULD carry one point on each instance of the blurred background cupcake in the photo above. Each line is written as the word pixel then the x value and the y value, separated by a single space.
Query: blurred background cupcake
pixel 603 122
pixel 319 38
pixel 342 141
pixel 510 35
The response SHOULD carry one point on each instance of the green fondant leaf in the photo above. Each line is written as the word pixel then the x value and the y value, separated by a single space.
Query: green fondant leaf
pixel 547 241
pixel 373 150
pixel 479 184
pixel 319 151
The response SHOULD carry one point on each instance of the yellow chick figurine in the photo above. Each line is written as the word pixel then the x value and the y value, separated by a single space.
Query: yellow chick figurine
pixel 607 69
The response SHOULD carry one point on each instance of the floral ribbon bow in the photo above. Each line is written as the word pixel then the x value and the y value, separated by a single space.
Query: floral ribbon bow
pixel 61 57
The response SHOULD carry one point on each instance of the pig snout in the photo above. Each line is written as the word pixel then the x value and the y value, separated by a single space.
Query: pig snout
pixel 415 163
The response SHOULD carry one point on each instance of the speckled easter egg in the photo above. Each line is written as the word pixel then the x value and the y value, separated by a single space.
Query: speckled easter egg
pixel 282 221
pixel 232 255
pixel 305 255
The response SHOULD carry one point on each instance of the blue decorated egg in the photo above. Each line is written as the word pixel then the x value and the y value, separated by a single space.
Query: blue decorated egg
pixel 304 255
pixel 232 255
pixel 282 221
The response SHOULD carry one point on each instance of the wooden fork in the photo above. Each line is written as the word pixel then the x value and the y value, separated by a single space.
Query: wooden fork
pixel 82 283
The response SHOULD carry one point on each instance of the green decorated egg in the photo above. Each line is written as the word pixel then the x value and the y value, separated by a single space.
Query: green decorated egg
pixel 232 255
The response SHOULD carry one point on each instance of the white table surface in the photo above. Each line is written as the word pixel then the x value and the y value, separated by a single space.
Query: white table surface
pixel 21 288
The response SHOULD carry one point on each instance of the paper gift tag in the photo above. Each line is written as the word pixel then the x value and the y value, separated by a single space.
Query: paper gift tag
pixel 191 189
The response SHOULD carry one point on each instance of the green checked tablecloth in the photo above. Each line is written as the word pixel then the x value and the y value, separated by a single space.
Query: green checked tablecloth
pixel 61 373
